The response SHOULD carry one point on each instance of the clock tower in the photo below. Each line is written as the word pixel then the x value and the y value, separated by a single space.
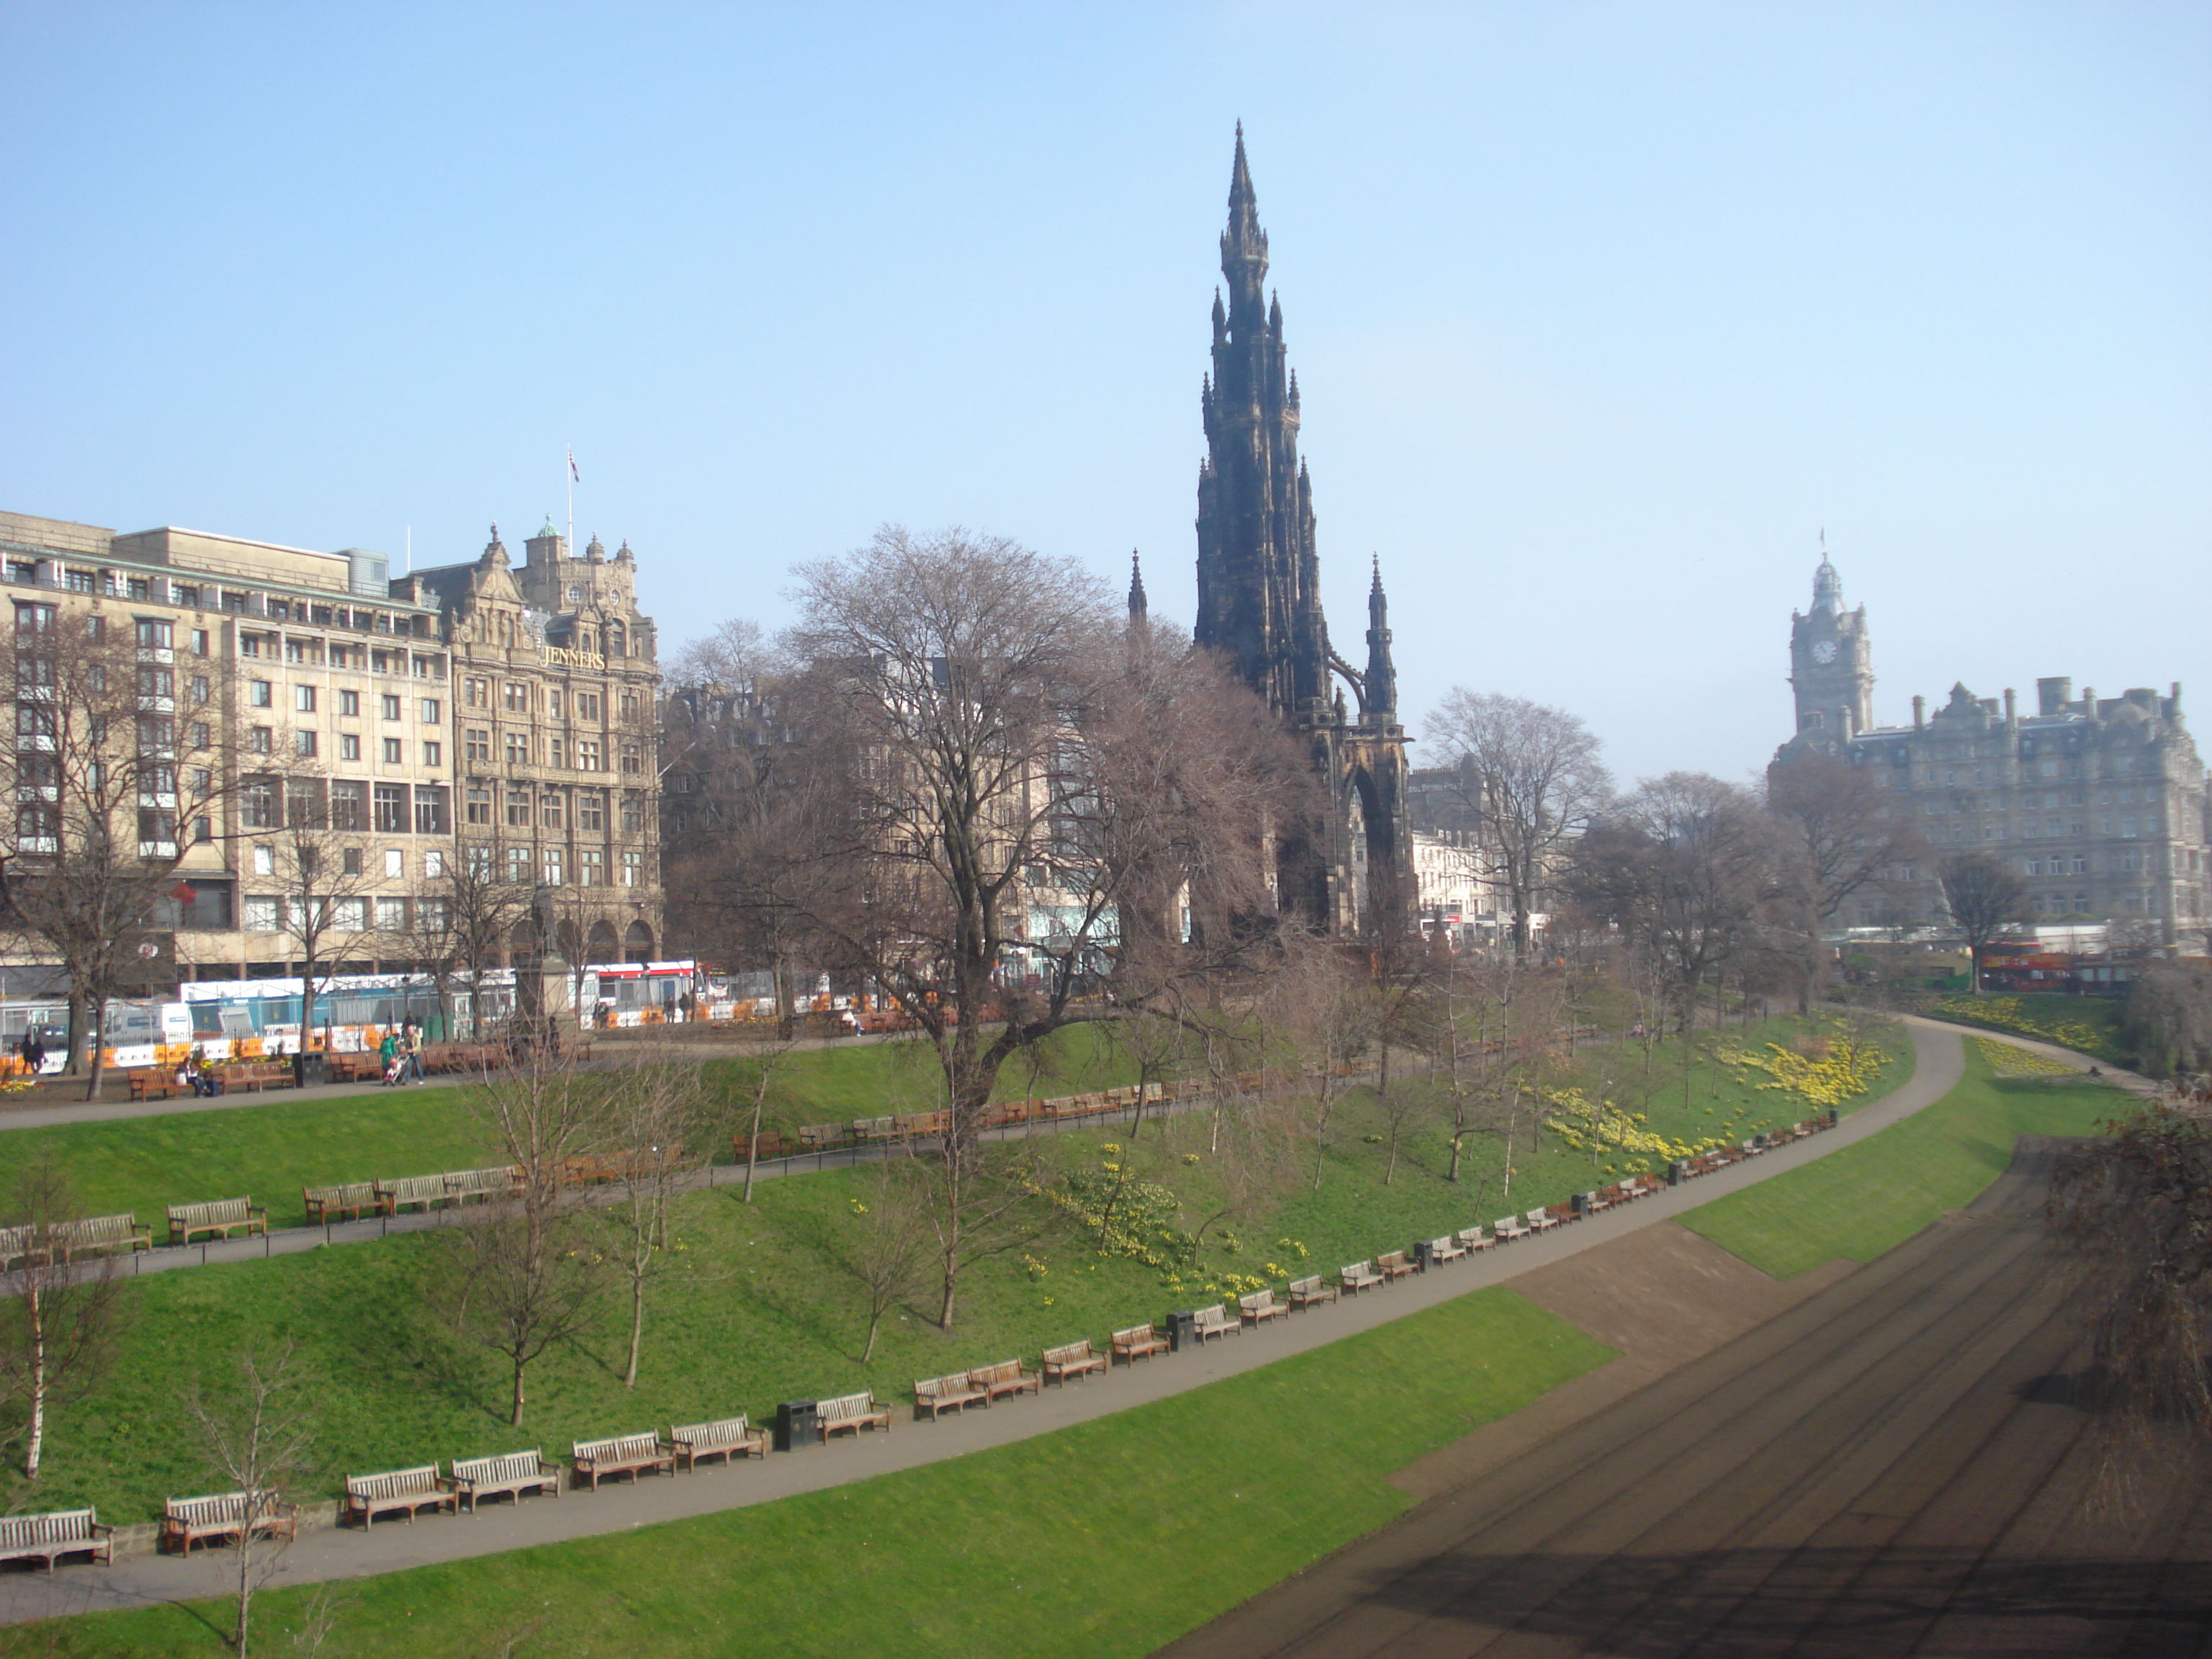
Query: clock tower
pixel 1831 664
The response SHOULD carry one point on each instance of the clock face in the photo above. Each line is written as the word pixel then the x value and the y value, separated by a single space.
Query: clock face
pixel 1824 651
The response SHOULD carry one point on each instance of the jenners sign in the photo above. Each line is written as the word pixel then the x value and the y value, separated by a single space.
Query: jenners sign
pixel 555 656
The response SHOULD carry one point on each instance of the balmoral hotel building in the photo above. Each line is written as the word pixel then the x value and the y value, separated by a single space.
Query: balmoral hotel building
pixel 464 711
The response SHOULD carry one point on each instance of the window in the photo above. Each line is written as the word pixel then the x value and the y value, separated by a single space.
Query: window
pixel 553 861
pixel 392 708
pixel 350 704
pixel 479 805
pixel 34 618
pixel 349 806
pixel 395 752
pixel 554 753
pixel 348 746
pixel 349 861
pixel 518 808
pixel 391 803
pixel 518 749
pixel 138 587
pixel 591 867
pixel 480 859
pixel 475 745
pixel 685 783
pixel 433 917
pixel 632 810
pixel 434 864
pixel 632 869
pixel 391 916
pixel 395 864
pixel 518 698
pixel 575 593
pixel 264 861
pixel 260 915
pixel 249 644
pixel 261 739
pixel 350 915
pixel 260 694
pixel 617 646
pixel 518 866
pixel 199 641
pixel 549 811
pixel 588 755
pixel 202 734
pixel 553 704
pixel 476 693
pixel 434 754
pixel 630 762
pixel 303 743
pixel 588 705
pixel 156 635
pixel 431 813
pixel 200 687
pixel 257 805
pixel 431 712
pixel 203 828
pixel 80 581
pixel 157 682
pixel 630 705
pixel 296 651
pixel 590 810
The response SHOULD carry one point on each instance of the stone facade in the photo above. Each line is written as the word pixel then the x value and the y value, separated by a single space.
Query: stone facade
pixel 2100 803
pixel 556 686
pixel 1259 602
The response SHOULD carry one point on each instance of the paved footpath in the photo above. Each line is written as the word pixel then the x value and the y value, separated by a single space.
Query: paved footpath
pixel 330 1554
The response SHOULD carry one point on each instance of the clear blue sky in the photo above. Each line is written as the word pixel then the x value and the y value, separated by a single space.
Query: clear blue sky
pixel 1601 313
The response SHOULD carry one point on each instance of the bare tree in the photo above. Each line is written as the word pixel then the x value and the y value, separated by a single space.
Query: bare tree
pixel 883 1247
pixel 523 1277
pixel 61 1320
pixel 2135 1209
pixel 2169 1019
pixel 1320 1015
pixel 1845 837
pixel 1685 865
pixel 1530 779
pixel 115 786
pixel 463 919
pixel 259 1441
pixel 658 1119
pixel 1985 896
pixel 765 1045
pixel 323 882
pixel 733 655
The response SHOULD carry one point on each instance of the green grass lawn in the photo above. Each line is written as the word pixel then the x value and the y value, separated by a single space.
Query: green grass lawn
pixel 1863 1200
pixel 753 1309
pixel 2088 1025
pixel 1109 1538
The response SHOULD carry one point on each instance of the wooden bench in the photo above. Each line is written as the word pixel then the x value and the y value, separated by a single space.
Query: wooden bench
pixel 1447 1249
pixel 1542 1219
pixel 633 1455
pixel 153 1083
pixel 1395 1265
pixel 1139 1342
pixel 367 1495
pixel 1071 1359
pixel 222 1217
pixel 1358 1276
pixel 408 1192
pixel 728 1438
pixel 849 1413
pixel 482 1185
pixel 1008 1376
pixel 46 1538
pixel 101 1235
pixel 223 1515
pixel 359 1066
pixel 1258 1307
pixel 321 1203
pixel 762 1147
pixel 1474 1238
pixel 255 1075
pixel 955 1391
pixel 1510 1227
pixel 1212 1321
pixel 510 1474
pixel 1312 1291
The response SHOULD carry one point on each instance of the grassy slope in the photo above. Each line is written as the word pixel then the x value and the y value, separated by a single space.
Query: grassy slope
pixel 1866 1198
pixel 1109 1538
pixel 271 1152
pixel 2090 1025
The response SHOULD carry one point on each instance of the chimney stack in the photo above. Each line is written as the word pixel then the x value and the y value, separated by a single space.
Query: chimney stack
pixel 1919 713
pixel 2052 696
pixel 2012 708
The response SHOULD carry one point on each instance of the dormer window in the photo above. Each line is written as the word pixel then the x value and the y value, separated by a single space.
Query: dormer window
pixel 575 593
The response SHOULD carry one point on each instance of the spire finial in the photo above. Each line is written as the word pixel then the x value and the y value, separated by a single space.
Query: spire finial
pixel 1243 244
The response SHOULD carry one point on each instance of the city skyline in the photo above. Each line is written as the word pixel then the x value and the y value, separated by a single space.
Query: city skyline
pixel 1602 317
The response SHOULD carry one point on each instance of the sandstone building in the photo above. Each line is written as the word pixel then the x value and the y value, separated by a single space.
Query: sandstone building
pixel 2100 802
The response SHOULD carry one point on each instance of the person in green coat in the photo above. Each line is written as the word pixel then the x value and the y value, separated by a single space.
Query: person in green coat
pixel 387 1051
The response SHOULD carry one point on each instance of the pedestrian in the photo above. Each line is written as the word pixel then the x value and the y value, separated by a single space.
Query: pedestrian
pixel 387 1054
pixel 414 1046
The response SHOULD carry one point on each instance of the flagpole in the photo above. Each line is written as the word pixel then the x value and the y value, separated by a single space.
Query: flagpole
pixel 569 483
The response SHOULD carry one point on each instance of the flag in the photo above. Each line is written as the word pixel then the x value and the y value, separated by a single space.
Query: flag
pixel 573 473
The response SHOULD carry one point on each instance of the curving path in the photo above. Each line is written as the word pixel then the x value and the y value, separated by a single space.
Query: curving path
pixel 328 1553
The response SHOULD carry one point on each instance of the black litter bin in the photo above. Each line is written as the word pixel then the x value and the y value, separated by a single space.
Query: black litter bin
pixel 310 1070
pixel 1678 1171
pixel 797 1425
pixel 1425 1254
pixel 1183 1330
pixel 1582 1204
pixel 1831 1117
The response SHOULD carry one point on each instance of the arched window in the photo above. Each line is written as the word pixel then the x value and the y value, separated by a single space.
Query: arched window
pixel 617 642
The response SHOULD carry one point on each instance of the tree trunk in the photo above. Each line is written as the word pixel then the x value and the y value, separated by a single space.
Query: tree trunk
pixel 99 1047
pixel 80 1020
pixel 514 1417
pixel 868 1348
pixel 637 1329
pixel 1390 1169
pixel 752 1143
pixel 35 1442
